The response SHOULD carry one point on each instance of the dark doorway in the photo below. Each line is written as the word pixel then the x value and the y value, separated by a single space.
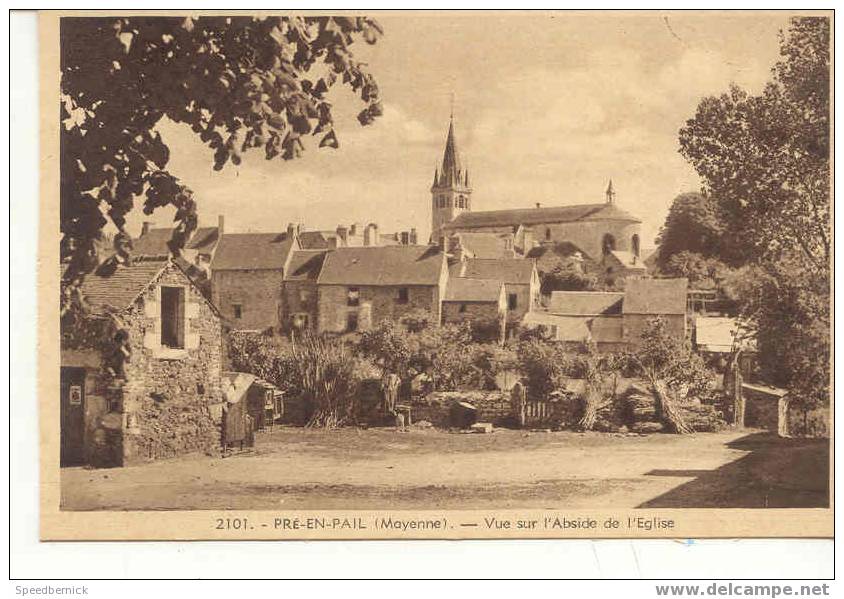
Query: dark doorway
pixel 72 416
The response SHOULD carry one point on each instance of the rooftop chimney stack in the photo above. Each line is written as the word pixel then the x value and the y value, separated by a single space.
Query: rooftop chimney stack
pixel 414 236
pixel 538 205
pixel 146 226
pixel 220 225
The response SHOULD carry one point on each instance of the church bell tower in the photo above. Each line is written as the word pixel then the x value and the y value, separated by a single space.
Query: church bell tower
pixel 451 193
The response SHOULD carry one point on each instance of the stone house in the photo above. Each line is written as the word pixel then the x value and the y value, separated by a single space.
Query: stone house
pixel 166 399
pixel 299 290
pixel 645 299
pixel 520 278
pixel 475 300
pixel 247 275
pixel 198 251
pixel 357 287
pixel 614 321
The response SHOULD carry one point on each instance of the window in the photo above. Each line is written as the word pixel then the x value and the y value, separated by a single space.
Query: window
pixel 512 301
pixel 403 295
pixel 352 322
pixel 634 242
pixel 173 317
pixel 300 321
pixel 462 308
pixel 304 296
pixel 548 233
pixel 608 244
pixel 238 310
pixel 353 297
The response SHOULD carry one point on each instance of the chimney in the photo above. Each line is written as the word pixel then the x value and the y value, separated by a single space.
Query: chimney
pixel 146 226
pixel 291 229
pixel 414 237
pixel 370 235
pixel 405 238
pixel 538 205
pixel 220 225
pixel 343 236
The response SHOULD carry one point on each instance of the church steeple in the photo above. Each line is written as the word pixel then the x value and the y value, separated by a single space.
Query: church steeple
pixel 450 191
pixel 610 194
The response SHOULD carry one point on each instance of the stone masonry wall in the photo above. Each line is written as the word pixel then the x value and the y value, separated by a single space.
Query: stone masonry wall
pixel 298 297
pixel 473 311
pixel 258 292
pixel 376 303
pixel 172 398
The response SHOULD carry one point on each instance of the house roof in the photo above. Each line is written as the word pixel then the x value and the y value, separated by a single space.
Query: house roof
pixel 313 240
pixel 390 265
pixel 252 251
pixel 508 270
pixel 236 384
pixel 115 287
pixel 155 241
pixel 538 216
pixel 305 265
pixel 585 302
pixel 600 329
pixel 563 249
pixel 655 296
pixel 473 290
pixel 487 245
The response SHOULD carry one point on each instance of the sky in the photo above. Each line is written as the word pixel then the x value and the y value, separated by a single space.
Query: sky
pixel 547 108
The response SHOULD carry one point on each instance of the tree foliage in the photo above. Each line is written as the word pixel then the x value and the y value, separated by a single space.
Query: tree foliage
pixel 765 160
pixel 239 83
pixel 694 225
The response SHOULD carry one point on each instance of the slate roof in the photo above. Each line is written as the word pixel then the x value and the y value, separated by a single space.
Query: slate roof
pixel 508 270
pixel 252 251
pixel 487 245
pixel 472 290
pixel 628 260
pixel 313 240
pixel 538 216
pixel 305 265
pixel 106 290
pixel 585 302
pixel 391 265
pixel 655 296
pixel 154 241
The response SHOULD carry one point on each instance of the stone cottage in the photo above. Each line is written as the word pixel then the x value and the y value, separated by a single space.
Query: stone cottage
pixel 165 399
pixel 357 287
pixel 646 298
pixel 247 273
pixel 475 300
pixel 299 290
pixel 520 278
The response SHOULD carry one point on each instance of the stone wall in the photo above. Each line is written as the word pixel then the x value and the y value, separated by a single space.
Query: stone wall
pixel 171 402
pixel 472 311
pixel 761 410
pixel 375 304
pixel 258 292
pixel 635 324
pixel 586 235
pixel 298 297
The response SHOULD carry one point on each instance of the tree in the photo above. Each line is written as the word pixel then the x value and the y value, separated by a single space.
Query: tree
pixel 693 225
pixel 239 83
pixel 765 160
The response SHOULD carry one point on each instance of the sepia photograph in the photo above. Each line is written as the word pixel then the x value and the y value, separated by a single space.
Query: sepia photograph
pixel 439 273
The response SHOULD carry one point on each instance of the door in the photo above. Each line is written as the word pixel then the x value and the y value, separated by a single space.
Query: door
pixel 72 416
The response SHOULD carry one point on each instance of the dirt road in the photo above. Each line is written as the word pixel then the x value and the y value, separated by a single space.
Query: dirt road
pixel 369 469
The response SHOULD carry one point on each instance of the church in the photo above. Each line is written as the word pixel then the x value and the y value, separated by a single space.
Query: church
pixel 601 233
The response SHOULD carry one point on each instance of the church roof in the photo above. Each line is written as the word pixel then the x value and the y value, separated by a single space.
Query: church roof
pixel 539 216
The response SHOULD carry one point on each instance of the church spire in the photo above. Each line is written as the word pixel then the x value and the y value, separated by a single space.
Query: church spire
pixel 610 193
pixel 451 173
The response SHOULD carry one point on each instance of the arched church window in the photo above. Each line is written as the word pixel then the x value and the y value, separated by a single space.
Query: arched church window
pixel 548 233
pixel 634 244
pixel 608 244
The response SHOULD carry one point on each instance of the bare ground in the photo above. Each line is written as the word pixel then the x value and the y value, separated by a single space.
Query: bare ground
pixel 293 468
